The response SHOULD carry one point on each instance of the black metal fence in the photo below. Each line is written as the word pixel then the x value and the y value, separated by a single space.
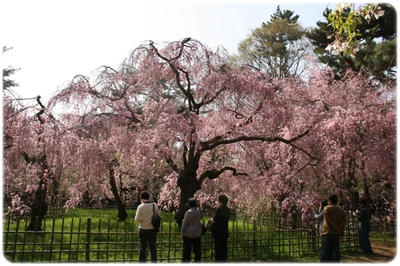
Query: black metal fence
pixel 67 239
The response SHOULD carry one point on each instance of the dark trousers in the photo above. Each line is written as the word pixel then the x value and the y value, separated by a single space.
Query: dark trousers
pixel 149 236
pixel 364 240
pixel 221 248
pixel 188 243
pixel 330 249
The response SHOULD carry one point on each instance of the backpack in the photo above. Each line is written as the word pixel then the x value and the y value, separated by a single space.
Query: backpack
pixel 155 220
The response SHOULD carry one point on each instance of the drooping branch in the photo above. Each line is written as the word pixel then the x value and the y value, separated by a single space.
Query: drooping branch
pixel 193 106
pixel 133 115
pixel 212 99
pixel 91 89
pixel 247 121
pixel 217 141
pixel 39 114
pixel 303 151
pixel 214 173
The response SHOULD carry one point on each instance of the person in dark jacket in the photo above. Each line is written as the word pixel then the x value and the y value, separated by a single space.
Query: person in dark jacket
pixel 364 227
pixel 220 229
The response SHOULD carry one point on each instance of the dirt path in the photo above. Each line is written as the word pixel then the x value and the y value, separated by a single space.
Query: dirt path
pixel 383 252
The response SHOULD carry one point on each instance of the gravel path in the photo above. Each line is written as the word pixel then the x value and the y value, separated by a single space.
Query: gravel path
pixel 383 252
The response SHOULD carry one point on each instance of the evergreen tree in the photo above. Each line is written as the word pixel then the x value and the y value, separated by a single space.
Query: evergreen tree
pixel 277 47
pixel 377 40
pixel 285 14
pixel 7 72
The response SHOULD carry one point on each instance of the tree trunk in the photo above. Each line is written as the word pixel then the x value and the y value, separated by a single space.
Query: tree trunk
pixel 367 195
pixel 55 188
pixel 38 208
pixel 188 185
pixel 352 185
pixel 39 205
pixel 121 206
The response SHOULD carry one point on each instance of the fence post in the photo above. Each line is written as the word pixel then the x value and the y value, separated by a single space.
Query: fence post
pixel 89 225
pixel 52 239
pixel 15 241
pixel 254 238
pixel 6 238
pixel 70 239
pixel 169 240
pixel 233 238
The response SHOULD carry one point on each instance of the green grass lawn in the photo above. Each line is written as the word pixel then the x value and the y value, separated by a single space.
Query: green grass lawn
pixel 108 214
pixel 387 238
pixel 66 239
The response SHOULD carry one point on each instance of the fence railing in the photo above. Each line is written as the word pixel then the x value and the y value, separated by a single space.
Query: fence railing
pixel 68 239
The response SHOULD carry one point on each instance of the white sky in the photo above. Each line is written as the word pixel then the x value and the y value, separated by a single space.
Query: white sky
pixel 55 40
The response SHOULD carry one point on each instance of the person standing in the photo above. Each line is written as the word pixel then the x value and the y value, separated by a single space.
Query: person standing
pixel 191 232
pixel 147 232
pixel 363 218
pixel 319 215
pixel 332 228
pixel 220 231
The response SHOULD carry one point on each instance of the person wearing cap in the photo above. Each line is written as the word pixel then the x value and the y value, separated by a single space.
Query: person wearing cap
pixel 147 232
pixel 191 232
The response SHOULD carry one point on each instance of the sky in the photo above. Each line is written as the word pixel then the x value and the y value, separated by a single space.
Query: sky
pixel 55 40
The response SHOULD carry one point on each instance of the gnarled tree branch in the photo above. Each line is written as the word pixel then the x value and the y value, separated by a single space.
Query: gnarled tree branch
pixel 217 141
pixel 214 173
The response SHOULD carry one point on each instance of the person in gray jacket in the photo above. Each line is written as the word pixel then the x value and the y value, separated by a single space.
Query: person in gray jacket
pixel 191 232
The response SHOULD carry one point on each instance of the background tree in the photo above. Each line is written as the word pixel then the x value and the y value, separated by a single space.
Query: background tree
pixel 107 126
pixel 376 44
pixel 29 135
pixel 7 72
pixel 284 14
pixel 278 47
pixel 354 143
pixel 351 138
pixel 30 157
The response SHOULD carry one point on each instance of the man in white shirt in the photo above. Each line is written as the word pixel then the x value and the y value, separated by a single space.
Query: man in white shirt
pixel 147 233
